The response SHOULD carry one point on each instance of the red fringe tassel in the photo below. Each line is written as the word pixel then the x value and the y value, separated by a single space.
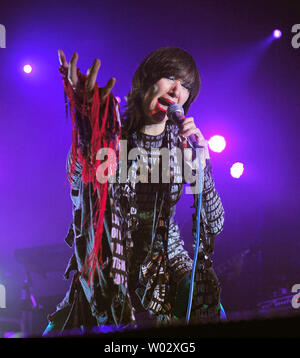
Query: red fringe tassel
pixel 89 165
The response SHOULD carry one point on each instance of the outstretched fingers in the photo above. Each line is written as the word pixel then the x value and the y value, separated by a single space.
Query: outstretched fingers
pixel 92 75
pixel 62 59
pixel 72 74
pixel 109 86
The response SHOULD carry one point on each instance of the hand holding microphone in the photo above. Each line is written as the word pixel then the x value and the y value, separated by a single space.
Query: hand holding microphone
pixel 188 127
pixel 189 130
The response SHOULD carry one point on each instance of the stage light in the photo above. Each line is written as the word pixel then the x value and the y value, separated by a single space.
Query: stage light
pixel 118 99
pixel 277 34
pixel 27 69
pixel 217 143
pixel 237 170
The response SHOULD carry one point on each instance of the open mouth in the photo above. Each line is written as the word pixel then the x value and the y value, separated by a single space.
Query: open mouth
pixel 162 107
pixel 163 104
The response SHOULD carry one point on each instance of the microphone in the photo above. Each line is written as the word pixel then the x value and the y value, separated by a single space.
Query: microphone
pixel 176 112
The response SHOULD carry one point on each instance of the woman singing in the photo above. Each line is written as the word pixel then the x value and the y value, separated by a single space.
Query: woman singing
pixel 128 253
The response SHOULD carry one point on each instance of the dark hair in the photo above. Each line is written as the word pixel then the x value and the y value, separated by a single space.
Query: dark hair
pixel 164 62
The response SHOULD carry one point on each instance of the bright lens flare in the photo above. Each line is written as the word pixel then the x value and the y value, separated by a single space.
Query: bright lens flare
pixel 217 143
pixel 237 170
pixel 27 69
pixel 277 34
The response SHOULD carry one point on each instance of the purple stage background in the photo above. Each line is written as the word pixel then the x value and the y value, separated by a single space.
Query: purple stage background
pixel 250 95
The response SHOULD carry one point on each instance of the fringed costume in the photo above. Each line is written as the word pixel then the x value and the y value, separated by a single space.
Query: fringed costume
pixel 127 247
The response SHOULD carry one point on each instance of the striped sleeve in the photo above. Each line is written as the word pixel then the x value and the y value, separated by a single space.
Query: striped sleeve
pixel 211 203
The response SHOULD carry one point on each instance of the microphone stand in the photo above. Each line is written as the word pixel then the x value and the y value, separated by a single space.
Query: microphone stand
pixel 190 301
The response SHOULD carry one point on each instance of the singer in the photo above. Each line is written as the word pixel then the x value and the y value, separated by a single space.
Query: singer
pixel 128 256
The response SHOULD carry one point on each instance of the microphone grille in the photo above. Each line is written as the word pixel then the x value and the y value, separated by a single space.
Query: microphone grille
pixel 175 109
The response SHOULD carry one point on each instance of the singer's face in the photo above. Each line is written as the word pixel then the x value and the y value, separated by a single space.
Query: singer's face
pixel 166 91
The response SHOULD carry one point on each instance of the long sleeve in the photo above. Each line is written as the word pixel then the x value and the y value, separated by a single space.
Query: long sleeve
pixel 211 203
pixel 211 206
pixel 206 294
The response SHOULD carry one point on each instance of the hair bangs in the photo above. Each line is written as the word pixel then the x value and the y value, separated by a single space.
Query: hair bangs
pixel 161 63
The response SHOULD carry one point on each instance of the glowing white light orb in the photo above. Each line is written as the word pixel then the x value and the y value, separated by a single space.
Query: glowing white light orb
pixel 277 34
pixel 217 143
pixel 237 170
pixel 27 68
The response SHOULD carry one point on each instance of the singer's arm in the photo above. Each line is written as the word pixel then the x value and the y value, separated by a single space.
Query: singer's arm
pixel 211 202
pixel 85 99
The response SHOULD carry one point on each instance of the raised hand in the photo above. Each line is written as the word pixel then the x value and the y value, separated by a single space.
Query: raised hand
pixel 189 127
pixel 92 72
